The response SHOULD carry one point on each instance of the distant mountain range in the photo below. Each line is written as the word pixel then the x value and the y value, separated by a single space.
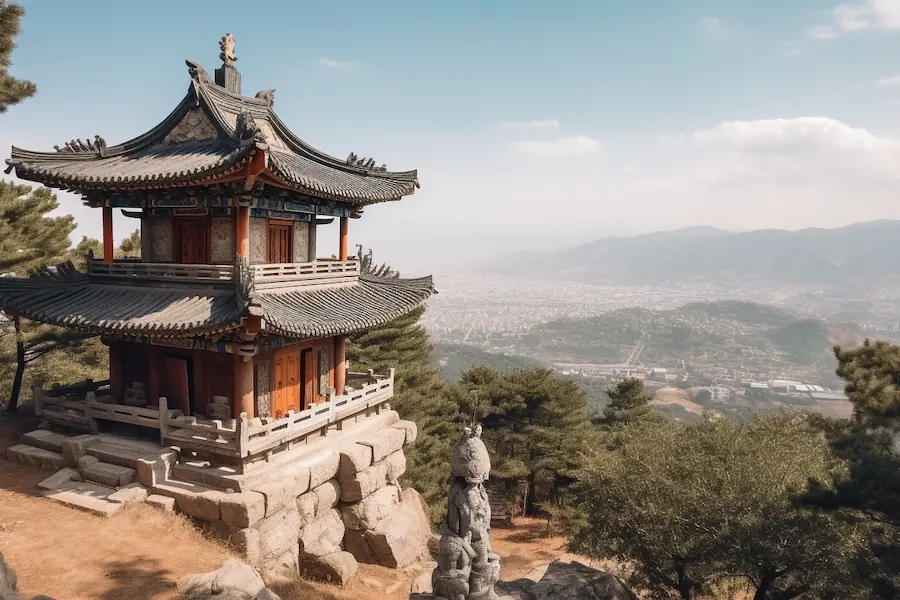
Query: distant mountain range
pixel 697 254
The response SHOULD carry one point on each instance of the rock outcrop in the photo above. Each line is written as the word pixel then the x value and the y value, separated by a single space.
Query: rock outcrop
pixel 235 580
pixel 568 581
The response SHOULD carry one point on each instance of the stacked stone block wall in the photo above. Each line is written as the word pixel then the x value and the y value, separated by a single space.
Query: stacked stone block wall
pixel 321 518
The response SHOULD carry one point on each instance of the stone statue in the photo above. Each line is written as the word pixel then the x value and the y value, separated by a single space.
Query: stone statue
pixel 467 567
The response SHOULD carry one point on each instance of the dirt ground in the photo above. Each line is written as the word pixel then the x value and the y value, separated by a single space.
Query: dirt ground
pixel 140 553
pixel 673 395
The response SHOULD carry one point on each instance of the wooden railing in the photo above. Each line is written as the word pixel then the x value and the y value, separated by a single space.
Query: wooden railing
pixel 318 273
pixel 236 438
pixel 321 272
pixel 247 439
pixel 82 413
pixel 145 271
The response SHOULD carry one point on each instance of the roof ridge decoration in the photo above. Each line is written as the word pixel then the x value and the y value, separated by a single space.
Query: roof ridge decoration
pixel 267 95
pixel 199 77
pixel 98 144
pixel 226 47
pixel 365 163
pixel 247 129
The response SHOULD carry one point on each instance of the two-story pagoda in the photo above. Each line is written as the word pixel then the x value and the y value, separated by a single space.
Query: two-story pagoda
pixel 229 305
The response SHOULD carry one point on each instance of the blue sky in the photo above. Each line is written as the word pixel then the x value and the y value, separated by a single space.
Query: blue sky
pixel 533 124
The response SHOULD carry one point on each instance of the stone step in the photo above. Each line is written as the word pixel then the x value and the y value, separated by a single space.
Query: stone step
pixel 46 440
pixel 119 454
pixel 221 478
pixel 84 495
pixel 35 457
pixel 62 476
pixel 109 475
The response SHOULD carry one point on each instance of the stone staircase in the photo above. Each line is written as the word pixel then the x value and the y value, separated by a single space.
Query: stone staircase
pixel 101 473
pixel 96 473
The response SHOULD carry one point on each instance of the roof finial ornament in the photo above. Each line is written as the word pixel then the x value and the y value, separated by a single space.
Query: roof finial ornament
pixel 226 46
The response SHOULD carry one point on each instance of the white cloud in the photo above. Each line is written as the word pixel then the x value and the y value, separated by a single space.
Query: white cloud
pixel 567 146
pixel 533 124
pixel 860 16
pixel 337 64
pixel 889 80
pixel 802 133
pixel 713 29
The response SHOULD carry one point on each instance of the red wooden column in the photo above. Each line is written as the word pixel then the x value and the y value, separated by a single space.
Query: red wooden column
pixel 108 244
pixel 340 364
pixel 243 387
pixel 345 235
pixel 243 231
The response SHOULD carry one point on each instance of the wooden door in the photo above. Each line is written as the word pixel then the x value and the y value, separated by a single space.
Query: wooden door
pixel 192 241
pixel 308 360
pixel 175 383
pixel 279 243
pixel 278 378
pixel 285 383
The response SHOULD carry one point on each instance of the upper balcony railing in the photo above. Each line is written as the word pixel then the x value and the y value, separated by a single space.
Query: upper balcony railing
pixel 142 271
pixel 266 276
pixel 320 272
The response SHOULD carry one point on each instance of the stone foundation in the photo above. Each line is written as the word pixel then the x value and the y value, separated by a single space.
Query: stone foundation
pixel 322 518
pixel 317 509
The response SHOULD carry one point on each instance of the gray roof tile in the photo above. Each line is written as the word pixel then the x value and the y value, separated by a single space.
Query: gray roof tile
pixel 66 297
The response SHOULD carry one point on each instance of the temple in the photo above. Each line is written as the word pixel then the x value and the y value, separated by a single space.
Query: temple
pixel 228 299
pixel 229 397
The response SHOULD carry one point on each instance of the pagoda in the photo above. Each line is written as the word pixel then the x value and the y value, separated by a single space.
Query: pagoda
pixel 229 327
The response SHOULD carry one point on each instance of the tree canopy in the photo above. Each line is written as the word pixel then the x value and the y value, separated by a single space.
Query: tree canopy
pixel 693 508
pixel 870 485
pixel 12 90
pixel 536 426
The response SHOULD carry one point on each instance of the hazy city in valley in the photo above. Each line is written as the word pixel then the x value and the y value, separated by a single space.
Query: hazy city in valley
pixel 450 300
pixel 743 337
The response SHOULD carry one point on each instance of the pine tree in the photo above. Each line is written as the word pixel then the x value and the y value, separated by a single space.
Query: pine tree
pixel 418 393
pixel 870 485
pixel 536 425
pixel 31 239
pixel 693 508
pixel 131 246
pixel 12 90
pixel 628 403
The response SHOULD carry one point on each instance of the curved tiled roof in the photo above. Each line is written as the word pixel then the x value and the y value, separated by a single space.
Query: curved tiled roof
pixel 66 297
pixel 244 126
pixel 327 311
pixel 155 164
